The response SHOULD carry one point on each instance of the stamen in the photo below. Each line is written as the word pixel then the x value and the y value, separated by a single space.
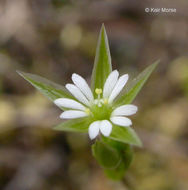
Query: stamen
pixel 87 111
pixel 105 101
pixel 98 91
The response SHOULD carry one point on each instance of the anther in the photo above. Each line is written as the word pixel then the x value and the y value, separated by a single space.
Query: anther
pixel 87 111
pixel 98 91
pixel 105 101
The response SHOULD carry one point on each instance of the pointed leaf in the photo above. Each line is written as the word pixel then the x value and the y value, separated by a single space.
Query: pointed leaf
pixel 135 86
pixel 50 89
pixel 125 135
pixel 80 125
pixel 102 63
pixel 106 155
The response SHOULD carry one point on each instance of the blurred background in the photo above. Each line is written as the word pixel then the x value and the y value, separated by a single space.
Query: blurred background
pixel 55 38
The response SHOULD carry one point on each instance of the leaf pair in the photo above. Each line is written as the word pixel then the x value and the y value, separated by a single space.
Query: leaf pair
pixel 121 134
pixel 113 156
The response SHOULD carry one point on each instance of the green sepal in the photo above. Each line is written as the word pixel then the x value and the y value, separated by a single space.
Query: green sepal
pixel 133 87
pixel 80 125
pixel 125 135
pixel 102 64
pixel 48 88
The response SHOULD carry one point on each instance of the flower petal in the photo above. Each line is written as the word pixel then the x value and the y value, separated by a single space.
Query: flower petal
pixel 75 91
pixel 81 83
pixel 69 103
pixel 125 110
pixel 94 129
pixel 118 87
pixel 110 83
pixel 73 114
pixel 121 121
pixel 105 128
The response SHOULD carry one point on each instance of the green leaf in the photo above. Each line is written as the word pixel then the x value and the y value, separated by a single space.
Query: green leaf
pixel 127 156
pixel 125 135
pixel 135 86
pixel 106 155
pixel 125 149
pixel 102 64
pixel 74 125
pixel 120 146
pixel 117 173
pixel 50 89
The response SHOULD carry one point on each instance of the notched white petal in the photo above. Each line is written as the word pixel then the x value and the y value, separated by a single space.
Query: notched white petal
pixel 105 128
pixel 125 110
pixel 73 114
pixel 121 121
pixel 118 87
pixel 75 91
pixel 69 103
pixel 81 83
pixel 110 83
pixel 94 129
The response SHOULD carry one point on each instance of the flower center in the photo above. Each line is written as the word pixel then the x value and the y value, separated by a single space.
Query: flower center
pixel 97 101
pixel 100 109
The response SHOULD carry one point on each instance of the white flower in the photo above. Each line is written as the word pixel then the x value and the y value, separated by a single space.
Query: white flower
pixel 100 109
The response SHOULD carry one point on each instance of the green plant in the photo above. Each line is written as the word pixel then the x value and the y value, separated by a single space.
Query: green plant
pixel 100 110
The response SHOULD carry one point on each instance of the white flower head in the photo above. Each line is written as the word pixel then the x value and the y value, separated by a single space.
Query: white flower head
pixel 101 109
